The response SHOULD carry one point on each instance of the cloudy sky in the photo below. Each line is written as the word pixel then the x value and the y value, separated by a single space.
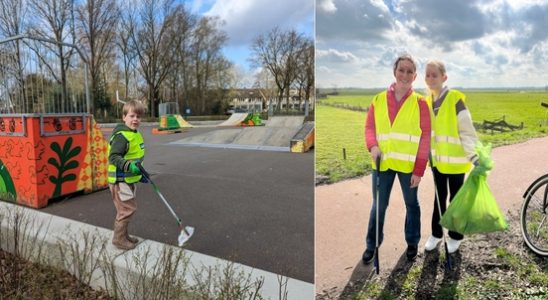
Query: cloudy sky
pixel 497 43
pixel 246 19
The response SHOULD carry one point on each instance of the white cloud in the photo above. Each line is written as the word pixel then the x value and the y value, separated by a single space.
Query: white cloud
pixel 246 19
pixel 489 44
pixel 324 70
pixel 354 20
pixel 336 56
pixel 380 5
pixel 327 6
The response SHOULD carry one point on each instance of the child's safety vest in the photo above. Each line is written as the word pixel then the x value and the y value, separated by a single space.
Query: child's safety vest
pixel 136 152
pixel 447 152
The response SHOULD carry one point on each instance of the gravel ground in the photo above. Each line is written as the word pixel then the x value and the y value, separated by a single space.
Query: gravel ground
pixel 487 266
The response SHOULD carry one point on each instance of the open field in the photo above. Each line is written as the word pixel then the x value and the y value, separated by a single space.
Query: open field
pixel 339 128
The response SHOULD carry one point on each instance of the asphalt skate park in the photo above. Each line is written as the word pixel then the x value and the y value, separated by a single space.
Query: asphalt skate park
pixel 249 198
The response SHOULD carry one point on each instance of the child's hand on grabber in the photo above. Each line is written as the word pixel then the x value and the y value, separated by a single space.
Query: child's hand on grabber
pixel 134 169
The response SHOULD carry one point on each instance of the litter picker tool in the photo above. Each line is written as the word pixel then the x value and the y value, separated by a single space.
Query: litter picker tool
pixel 186 231
pixel 377 185
pixel 447 256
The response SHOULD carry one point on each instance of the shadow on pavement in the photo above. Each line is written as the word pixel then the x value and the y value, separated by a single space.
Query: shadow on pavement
pixel 426 284
pixel 432 265
pixel 360 276
pixel 448 287
pixel 397 277
pixel 429 273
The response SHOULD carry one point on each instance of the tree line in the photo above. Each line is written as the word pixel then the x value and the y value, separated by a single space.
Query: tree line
pixel 158 51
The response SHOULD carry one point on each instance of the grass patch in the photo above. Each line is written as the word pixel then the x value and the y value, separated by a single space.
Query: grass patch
pixel 338 128
pixel 371 289
pixel 524 269
pixel 362 100
pixel 409 286
pixel 448 291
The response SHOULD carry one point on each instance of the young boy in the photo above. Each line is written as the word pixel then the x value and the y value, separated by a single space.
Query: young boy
pixel 126 149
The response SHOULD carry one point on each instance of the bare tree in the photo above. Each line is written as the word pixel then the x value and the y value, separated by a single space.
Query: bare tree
pixel 126 27
pixel 153 43
pixel 12 18
pixel 179 81
pixel 97 22
pixel 264 83
pixel 305 70
pixel 278 52
pixel 54 20
pixel 267 51
pixel 207 57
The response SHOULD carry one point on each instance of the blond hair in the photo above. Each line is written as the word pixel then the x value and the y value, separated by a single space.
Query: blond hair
pixel 405 57
pixel 133 105
pixel 438 64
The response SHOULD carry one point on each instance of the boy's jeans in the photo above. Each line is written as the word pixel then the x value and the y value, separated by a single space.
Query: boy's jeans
pixel 413 215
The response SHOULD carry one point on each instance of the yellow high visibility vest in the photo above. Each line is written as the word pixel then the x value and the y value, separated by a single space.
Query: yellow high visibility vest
pixel 136 152
pixel 448 155
pixel 399 142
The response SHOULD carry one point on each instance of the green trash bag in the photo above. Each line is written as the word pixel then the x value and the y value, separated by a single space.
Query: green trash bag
pixel 474 208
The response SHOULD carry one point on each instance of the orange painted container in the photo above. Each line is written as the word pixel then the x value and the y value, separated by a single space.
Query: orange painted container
pixel 44 157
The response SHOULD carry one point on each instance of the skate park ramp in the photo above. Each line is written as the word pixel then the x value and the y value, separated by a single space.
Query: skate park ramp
pixel 276 135
pixel 234 120
pixel 182 122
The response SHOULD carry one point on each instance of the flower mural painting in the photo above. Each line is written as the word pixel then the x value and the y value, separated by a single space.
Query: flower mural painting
pixel 39 163
pixel 63 164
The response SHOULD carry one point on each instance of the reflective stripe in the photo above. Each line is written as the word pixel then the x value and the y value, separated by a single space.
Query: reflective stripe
pixel 398 136
pixel 447 139
pixel 399 156
pixel 451 159
pixel 120 174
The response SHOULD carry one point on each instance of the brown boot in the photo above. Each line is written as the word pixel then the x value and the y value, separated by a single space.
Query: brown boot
pixel 129 237
pixel 119 236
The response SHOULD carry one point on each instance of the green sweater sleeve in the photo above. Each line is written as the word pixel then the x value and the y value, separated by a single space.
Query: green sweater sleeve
pixel 119 146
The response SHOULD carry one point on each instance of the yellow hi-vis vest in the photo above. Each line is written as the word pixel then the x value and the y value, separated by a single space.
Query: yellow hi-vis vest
pixel 398 142
pixel 136 152
pixel 447 152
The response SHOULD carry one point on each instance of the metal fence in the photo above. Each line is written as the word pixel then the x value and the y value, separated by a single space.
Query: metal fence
pixel 168 108
pixel 42 76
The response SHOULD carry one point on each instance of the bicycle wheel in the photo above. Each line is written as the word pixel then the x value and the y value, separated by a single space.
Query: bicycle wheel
pixel 534 217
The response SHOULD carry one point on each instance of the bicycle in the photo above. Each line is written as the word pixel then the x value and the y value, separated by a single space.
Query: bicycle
pixel 534 216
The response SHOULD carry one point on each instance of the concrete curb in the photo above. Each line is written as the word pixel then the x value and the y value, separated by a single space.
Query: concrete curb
pixel 51 231
pixel 233 146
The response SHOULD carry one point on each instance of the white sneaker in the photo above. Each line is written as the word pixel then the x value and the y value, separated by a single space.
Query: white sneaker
pixel 431 243
pixel 453 245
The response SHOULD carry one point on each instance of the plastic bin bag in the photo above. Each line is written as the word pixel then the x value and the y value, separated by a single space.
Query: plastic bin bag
pixel 474 208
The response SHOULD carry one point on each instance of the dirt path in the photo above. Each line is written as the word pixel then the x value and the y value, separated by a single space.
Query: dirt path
pixel 342 212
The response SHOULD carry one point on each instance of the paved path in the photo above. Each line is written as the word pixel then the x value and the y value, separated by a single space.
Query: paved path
pixel 342 212
pixel 252 207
